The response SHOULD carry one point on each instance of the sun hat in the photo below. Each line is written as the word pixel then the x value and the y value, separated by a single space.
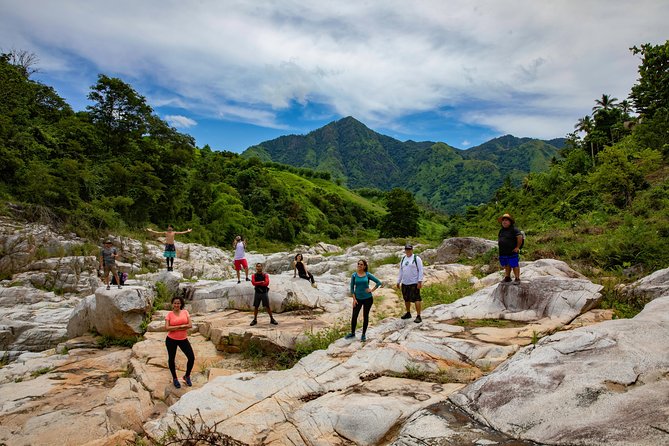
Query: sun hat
pixel 506 216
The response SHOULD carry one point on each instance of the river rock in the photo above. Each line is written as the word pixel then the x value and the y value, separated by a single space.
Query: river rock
pixel 453 249
pixel 650 287
pixel 114 312
pixel 602 384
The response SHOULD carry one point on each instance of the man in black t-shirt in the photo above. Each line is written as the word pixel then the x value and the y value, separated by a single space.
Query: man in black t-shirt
pixel 509 241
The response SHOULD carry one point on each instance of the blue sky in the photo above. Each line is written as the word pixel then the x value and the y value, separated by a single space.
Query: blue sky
pixel 236 73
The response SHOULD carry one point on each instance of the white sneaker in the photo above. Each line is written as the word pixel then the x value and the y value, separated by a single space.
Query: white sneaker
pixel 314 285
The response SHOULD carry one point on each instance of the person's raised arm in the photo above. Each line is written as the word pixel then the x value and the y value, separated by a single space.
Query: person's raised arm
pixel 184 232
pixel 155 232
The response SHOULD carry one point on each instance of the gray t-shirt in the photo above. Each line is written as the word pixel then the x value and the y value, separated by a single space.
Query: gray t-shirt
pixel 107 256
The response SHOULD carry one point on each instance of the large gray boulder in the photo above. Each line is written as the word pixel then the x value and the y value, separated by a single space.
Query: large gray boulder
pixel 286 293
pixel 650 287
pixel 69 274
pixel 453 249
pixel 114 312
pixel 32 319
pixel 603 384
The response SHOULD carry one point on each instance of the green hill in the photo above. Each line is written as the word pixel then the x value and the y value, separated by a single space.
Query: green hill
pixel 117 166
pixel 439 175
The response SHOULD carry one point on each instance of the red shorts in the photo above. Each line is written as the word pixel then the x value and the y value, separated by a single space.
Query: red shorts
pixel 241 264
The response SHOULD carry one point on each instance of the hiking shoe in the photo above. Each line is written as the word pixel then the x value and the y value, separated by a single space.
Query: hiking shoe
pixel 176 383
pixel 349 336
pixel 507 279
pixel 273 322
pixel 120 286
pixel 108 287
pixel 407 315
pixel 248 280
pixel 188 381
pixel 253 322
pixel 418 319
pixel 517 281
pixel 314 285
pixel 363 338
pixel 239 281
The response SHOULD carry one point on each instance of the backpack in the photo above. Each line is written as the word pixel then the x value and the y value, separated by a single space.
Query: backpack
pixel 122 277
pixel 414 261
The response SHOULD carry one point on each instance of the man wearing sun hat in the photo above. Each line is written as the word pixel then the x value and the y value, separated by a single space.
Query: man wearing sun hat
pixel 509 241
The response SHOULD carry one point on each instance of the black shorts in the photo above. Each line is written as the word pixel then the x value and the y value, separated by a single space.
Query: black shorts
pixel 411 293
pixel 261 297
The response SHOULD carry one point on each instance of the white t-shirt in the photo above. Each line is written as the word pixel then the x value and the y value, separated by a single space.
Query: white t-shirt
pixel 239 250
pixel 410 272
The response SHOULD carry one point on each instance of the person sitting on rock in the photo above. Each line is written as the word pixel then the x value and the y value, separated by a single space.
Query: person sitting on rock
pixel 170 250
pixel 509 241
pixel 108 256
pixel 362 297
pixel 260 281
pixel 177 323
pixel 300 268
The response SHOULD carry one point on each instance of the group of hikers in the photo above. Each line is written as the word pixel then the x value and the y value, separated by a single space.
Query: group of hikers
pixel 409 281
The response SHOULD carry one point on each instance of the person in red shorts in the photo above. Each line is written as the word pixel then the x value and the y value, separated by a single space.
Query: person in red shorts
pixel 240 257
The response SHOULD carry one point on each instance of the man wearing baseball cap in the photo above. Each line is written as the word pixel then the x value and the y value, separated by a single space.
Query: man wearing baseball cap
pixel 509 241
pixel 411 281
pixel 108 256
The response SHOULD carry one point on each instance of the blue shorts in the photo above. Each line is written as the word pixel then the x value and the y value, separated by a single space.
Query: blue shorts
pixel 511 260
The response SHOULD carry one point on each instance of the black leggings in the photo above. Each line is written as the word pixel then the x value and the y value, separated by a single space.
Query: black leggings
pixel 308 276
pixel 367 304
pixel 185 347
pixel 170 262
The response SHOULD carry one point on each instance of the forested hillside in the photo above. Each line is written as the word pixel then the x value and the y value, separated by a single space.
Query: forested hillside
pixel 605 202
pixel 439 175
pixel 119 166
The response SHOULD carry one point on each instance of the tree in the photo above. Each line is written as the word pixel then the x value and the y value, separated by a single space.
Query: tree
pixel 586 124
pixel 606 103
pixel 24 60
pixel 402 217
pixel 122 113
pixel 651 92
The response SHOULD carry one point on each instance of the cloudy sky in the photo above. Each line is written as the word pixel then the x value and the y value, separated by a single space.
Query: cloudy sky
pixel 235 73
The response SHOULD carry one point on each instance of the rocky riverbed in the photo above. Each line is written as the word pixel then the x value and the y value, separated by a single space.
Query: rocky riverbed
pixel 557 371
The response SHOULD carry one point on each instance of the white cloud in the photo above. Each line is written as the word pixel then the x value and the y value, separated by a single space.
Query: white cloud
pixel 378 61
pixel 180 122
pixel 465 143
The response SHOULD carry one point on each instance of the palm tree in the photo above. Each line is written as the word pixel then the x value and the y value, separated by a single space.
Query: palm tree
pixel 586 124
pixel 625 106
pixel 605 103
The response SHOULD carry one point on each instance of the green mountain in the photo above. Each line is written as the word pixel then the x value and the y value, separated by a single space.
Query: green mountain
pixel 442 176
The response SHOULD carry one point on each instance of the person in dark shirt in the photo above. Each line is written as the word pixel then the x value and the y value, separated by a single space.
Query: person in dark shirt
pixel 509 241
pixel 260 281
pixel 300 269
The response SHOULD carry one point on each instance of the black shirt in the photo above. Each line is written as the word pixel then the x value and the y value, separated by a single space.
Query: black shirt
pixel 507 240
